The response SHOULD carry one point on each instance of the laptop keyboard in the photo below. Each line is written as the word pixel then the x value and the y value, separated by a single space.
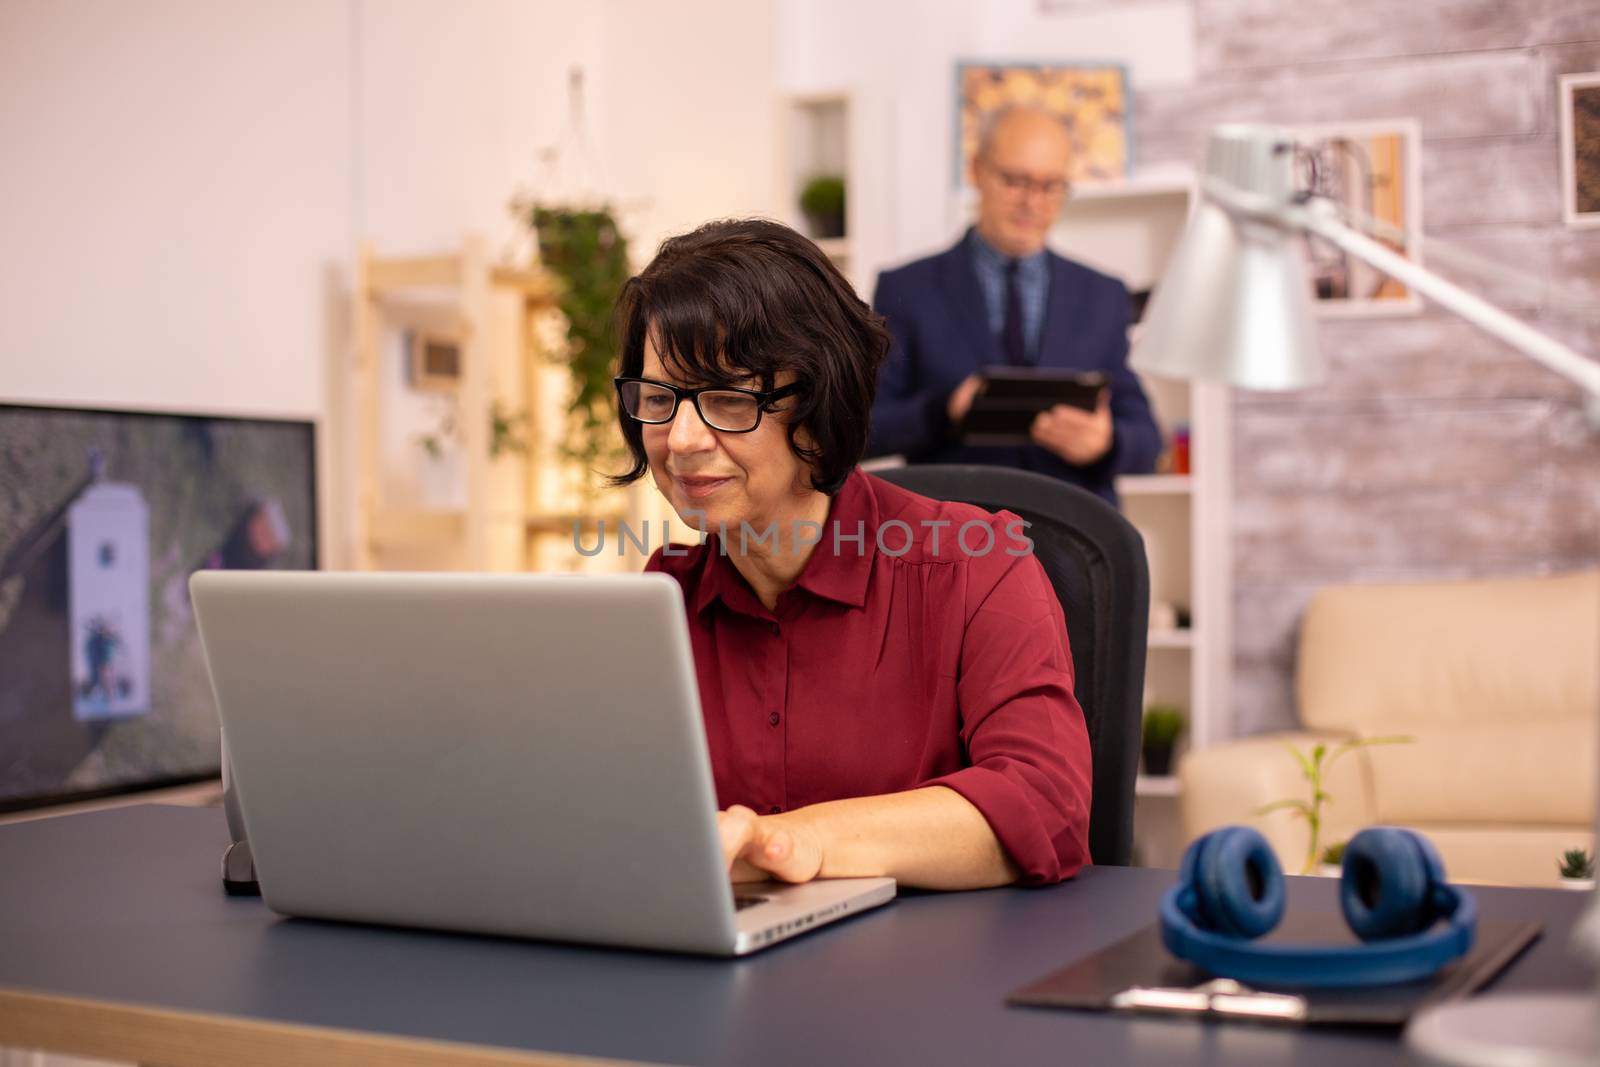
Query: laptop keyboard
pixel 741 903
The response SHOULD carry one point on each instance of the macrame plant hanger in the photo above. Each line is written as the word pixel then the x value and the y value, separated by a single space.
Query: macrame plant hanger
pixel 569 174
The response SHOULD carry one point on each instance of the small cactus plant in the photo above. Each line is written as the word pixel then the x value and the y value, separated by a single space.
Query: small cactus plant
pixel 1577 863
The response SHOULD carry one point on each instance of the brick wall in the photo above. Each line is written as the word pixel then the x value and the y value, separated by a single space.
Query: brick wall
pixel 1433 451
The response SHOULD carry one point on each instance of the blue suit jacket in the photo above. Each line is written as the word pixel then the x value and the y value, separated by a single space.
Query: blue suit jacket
pixel 941 334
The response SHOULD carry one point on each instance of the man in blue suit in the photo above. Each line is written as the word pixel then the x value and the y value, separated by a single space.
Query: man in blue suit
pixel 998 297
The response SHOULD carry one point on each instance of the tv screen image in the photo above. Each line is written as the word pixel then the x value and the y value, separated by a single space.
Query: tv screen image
pixel 103 517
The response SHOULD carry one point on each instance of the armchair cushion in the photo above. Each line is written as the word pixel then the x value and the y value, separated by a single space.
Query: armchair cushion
pixel 1531 772
pixel 1386 658
pixel 1505 854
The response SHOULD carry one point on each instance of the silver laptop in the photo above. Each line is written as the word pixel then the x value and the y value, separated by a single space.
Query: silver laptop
pixel 502 754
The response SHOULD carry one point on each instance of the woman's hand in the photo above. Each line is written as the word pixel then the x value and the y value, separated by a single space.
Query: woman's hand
pixel 930 838
pixel 759 847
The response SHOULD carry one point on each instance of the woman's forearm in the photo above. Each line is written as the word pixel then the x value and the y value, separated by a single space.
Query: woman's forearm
pixel 931 838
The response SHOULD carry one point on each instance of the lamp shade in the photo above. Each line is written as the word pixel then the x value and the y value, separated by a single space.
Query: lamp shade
pixel 1235 304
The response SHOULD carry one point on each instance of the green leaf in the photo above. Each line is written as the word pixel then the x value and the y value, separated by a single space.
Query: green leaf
pixel 1299 807
pixel 1364 742
pixel 1305 764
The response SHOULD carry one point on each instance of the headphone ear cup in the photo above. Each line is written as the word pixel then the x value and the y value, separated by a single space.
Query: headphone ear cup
pixel 1238 885
pixel 1389 882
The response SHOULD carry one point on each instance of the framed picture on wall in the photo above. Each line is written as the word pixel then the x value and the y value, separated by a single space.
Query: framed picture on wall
pixel 433 342
pixel 1091 100
pixel 1580 149
pixel 433 360
pixel 1373 172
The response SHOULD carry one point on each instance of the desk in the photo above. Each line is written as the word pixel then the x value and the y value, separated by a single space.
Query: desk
pixel 116 940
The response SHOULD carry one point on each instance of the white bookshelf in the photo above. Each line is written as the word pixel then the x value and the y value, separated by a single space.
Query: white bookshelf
pixel 835 248
pixel 1167 180
pixel 1171 639
pixel 1157 785
pixel 1154 484
pixel 817 140
pixel 1129 229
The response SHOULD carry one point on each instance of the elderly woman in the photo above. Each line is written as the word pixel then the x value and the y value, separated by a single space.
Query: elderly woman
pixel 885 678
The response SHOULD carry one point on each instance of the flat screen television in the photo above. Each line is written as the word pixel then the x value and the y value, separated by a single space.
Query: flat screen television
pixel 103 517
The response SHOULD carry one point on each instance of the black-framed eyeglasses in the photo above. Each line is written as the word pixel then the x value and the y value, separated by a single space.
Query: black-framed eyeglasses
pixel 722 408
pixel 1022 184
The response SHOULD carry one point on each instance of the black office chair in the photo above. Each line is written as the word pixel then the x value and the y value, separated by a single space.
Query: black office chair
pixel 1096 561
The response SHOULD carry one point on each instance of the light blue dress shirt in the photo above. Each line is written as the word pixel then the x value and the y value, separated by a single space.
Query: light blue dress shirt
pixel 1033 288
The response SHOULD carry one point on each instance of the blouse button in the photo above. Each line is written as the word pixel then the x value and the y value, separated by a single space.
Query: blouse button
pixel 773 718
pixel 774 810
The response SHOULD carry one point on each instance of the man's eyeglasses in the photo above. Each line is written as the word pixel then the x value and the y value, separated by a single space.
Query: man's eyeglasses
pixel 728 410
pixel 1021 184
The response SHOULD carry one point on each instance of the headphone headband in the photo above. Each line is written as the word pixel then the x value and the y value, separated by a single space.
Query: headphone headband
pixel 1209 917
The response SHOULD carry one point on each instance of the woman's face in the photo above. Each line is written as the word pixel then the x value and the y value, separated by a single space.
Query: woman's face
pixel 750 477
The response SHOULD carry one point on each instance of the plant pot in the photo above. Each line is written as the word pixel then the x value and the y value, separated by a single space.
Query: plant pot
pixel 1582 885
pixel 825 224
pixel 1158 760
pixel 441 479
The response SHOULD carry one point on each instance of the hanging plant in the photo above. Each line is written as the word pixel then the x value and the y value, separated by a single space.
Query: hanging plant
pixel 588 255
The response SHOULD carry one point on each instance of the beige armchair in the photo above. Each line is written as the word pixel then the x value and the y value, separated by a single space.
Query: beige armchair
pixel 1498 682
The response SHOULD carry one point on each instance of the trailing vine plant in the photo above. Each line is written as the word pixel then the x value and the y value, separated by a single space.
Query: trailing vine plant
pixel 586 252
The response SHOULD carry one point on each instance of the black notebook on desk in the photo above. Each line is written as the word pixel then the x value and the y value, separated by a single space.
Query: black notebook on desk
pixel 1160 983
pixel 1008 398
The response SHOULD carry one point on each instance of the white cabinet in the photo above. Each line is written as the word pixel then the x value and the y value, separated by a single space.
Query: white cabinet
pixel 1129 229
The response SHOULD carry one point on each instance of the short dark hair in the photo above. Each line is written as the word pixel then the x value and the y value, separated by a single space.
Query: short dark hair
pixel 751 298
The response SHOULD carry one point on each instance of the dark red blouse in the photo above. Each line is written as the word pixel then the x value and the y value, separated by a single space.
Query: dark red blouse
pixel 908 657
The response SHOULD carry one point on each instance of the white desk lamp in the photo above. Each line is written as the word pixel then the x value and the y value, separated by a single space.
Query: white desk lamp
pixel 1235 307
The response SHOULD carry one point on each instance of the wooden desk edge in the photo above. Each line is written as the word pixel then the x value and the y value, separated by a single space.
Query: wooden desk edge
pixel 162 1036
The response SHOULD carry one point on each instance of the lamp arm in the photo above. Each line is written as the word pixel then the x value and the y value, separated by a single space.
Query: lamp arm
pixel 1552 294
pixel 1319 217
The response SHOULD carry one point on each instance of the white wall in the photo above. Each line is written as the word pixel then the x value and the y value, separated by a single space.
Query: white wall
pixel 175 181
pixel 690 119
pixel 184 179
pixel 453 102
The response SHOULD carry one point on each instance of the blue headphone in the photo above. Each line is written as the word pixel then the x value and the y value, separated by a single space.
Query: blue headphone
pixel 1393 891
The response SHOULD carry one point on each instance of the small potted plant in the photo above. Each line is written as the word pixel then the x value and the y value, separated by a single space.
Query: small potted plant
pixel 822 201
pixel 1313 766
pixel 1577 869
pixel 1163 725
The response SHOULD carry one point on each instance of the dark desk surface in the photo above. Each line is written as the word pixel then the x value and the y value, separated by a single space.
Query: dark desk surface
pixel 116 939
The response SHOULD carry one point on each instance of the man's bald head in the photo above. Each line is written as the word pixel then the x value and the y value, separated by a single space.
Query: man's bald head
pixel 1020 169
pixel 1021 123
